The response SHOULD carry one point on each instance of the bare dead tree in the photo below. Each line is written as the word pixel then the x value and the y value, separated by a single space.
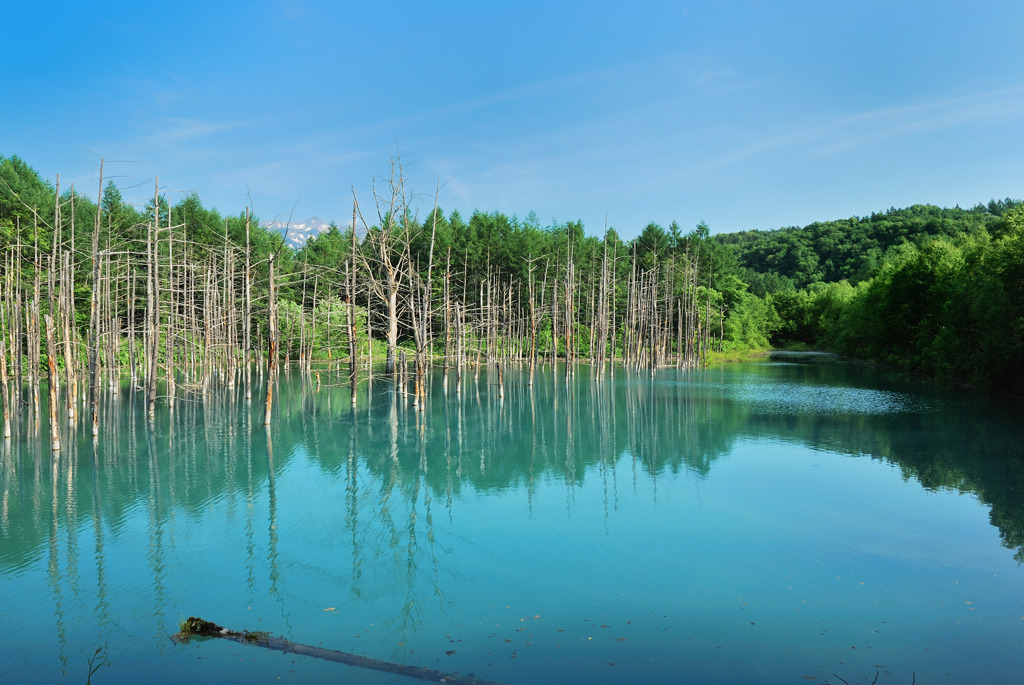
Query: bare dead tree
pixel 272 330
pixel 247 323
pixel 152 305
pixel 5 389
pixel 388 251
pixel 52 391
pixel 350 280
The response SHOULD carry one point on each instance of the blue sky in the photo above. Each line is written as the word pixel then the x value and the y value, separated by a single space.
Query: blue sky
pixel 743 114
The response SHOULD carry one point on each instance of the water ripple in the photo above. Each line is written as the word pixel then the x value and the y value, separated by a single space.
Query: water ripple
pixel 776 397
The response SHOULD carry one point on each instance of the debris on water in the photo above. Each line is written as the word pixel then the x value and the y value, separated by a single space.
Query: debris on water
pixel 194 626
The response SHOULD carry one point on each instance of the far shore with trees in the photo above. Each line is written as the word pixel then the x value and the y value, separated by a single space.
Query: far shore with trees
pixel 96 290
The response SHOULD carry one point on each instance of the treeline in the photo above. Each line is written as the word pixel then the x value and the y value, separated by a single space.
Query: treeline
pixel 851 249
pixel 949 307
pixel 185 294
pixel 938 291
pixel 663 296
pixel 178 294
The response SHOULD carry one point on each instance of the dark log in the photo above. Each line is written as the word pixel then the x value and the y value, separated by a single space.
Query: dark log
pixel 197 627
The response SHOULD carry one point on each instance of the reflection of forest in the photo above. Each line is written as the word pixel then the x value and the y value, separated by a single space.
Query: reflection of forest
pixel 688 421
pixel 476 439
pixel 945 440
pixel 203 451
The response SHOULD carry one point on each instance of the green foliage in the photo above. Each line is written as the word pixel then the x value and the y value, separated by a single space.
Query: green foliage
pixel 951 308
pixel 326 254
pixel 326 323
pixel 24 195
pixel 203 227
pixel 824 308
pixel 762 284
pixel 651 247
pixel 937 290
pixel 751 323
pixel 854 249
pixel 119 217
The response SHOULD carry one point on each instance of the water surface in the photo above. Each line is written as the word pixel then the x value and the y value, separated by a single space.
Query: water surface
pixel 771 522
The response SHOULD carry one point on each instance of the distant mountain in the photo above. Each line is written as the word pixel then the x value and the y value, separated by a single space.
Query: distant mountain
pixel 298 232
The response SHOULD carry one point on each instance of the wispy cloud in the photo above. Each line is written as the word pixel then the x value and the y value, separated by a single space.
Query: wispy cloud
pixel 837 136
pixel 932 116
pixel 177 131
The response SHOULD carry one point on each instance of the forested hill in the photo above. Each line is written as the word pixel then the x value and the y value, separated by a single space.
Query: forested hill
pixel 852 249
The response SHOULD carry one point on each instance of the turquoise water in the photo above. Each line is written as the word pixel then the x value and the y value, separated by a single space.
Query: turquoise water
pixel 771 522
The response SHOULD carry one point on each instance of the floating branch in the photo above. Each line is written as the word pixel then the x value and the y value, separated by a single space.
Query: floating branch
pixel 875 681
pixel 197 627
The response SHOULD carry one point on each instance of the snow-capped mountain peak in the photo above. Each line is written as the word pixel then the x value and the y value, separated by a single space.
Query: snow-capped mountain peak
pixel 298 232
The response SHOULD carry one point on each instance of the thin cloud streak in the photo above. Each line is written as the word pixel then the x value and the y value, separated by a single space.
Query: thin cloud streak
pixel 840 135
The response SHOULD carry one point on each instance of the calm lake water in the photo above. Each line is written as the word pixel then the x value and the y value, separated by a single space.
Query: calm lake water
pixel 771 522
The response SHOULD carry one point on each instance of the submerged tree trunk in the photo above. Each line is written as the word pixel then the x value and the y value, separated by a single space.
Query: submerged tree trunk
pixel 154 300
pixel 52 391
pixel 247 324
pixel 4 381
pixel 351 282
pixel 271 345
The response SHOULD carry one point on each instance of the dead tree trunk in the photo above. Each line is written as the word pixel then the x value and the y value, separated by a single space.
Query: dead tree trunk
pixel 4 381
pixel 94 314
pixel 351 281
pixel 153 302
pixel 533 323
pixel 424 316
pixel 35 342
pixel 271 344
pixel 247 324
pixel 447 316
pixel 52 392
pixel 68 317
pixel 390 249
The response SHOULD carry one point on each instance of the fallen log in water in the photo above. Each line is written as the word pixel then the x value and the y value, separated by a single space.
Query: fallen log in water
pixel 197 627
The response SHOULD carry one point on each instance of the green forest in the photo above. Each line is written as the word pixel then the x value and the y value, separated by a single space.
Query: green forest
pixel 96 288
pixel 932 290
